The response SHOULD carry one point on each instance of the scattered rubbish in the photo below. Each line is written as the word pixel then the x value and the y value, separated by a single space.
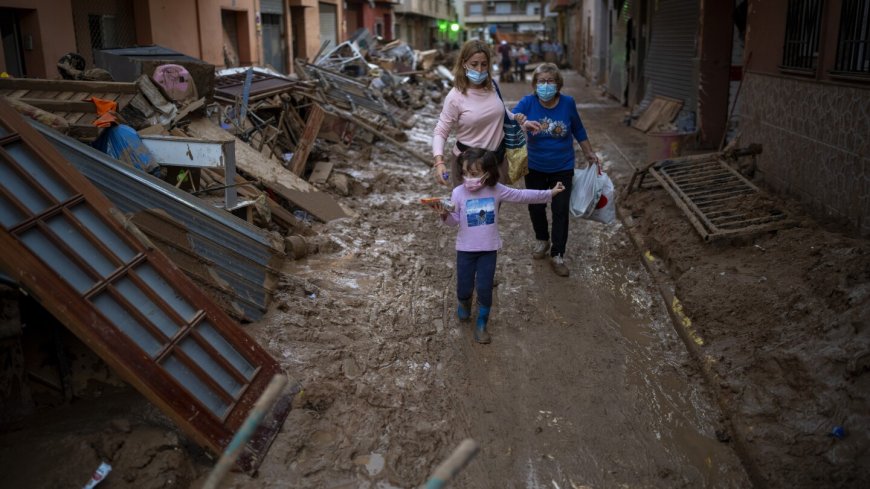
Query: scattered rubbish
pixel 838 432
pixel 99 475
pixel 312 296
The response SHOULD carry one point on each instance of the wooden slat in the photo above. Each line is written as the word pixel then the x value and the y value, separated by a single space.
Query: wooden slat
pixel 52 105
pixel 306 144
pixel 67 85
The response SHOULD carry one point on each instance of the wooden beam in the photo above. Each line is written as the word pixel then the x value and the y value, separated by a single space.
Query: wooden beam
pixel 67 85
pixel 309 135
pixel 52 105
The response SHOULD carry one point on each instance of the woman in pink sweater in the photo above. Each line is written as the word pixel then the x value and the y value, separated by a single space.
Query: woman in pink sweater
pixel 474 110
pixel 475 212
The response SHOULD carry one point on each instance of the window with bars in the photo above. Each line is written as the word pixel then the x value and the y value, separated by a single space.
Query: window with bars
pixel 803 25
pixel 853 43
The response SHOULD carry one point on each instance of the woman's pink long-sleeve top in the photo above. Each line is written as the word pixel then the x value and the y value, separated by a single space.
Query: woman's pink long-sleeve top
pixel 477 117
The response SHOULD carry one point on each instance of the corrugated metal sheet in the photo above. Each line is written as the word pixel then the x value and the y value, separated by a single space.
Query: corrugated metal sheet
pixel 233 260
pixel 672 65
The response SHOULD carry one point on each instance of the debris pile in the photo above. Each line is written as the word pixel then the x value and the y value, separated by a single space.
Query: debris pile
pixel 217 181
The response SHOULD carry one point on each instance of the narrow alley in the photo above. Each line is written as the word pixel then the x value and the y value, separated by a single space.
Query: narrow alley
pixel 222 264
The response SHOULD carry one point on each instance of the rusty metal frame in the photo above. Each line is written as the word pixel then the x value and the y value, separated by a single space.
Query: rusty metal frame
pixel 102 278
pixel 348 93
pixel 708 190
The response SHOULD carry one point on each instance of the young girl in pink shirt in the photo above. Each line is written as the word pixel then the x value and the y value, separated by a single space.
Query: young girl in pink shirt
pixel 475 211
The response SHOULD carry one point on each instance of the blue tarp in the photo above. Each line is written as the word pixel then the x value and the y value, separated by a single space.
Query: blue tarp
pixel 123 143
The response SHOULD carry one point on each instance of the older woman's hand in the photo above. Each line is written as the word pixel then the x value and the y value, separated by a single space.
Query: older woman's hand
pixel 520 118
pixel 532 126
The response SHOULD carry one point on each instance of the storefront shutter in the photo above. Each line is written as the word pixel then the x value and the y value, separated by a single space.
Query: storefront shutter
pixel 671 66
pixel 328 24
pixel 272 7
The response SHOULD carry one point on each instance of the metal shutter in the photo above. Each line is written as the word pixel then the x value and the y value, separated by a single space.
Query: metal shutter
pixel 328 24
pixel 671 66
pixel 272 7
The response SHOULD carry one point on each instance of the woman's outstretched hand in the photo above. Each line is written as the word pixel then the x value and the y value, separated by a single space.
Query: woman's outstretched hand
pixel 559 187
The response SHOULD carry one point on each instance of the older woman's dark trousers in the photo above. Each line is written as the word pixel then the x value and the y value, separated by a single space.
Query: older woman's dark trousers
pixel 475 268
pixel 538 212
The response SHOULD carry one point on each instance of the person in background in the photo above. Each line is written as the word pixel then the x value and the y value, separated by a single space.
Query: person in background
pixel 535 50
pixel 522 61
pixel 475 212
pixel 504 50
pixel 474 110
pixel 553 124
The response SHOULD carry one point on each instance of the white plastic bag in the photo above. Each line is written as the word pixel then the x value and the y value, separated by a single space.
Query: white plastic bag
pixel 584 191
pixel 605 208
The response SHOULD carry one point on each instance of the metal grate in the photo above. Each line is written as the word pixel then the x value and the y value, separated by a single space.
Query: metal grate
pixel 802 29
pixel 718 200
pixel 853 45
pixel 103 25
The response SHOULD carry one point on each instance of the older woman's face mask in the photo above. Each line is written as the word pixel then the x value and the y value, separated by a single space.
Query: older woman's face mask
pixel 546 87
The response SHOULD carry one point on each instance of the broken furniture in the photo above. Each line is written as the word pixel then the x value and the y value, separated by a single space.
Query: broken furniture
pixel 716 198
pixel 97 273
pixel 232 260
pixel 354 96
pixel 284 184
pixel 198 153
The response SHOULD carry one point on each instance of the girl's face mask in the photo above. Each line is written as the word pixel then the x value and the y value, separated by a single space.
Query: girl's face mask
pixel 546 91
pixel 473 184
pixel 476 77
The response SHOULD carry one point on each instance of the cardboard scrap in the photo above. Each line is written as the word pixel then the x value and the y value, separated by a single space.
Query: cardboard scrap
pixel 661 110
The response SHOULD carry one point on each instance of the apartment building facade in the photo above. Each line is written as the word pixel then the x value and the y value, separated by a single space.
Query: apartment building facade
pixel 36 33
pixel 424 24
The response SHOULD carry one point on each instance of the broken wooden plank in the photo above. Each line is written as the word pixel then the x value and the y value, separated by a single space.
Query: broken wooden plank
pixel 306 144
pixel 53 105
pixel 187 109
pixel 273 176
pixel 661 110
pixel 29 84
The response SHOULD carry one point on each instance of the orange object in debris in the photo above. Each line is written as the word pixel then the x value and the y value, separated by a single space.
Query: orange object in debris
pixel 103 105
pixel 106 120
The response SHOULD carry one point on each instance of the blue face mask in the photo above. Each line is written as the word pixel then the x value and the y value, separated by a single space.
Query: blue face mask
pixel 476 77
pixel 545 91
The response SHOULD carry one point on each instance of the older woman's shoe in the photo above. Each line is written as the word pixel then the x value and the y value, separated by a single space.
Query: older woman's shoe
pixel 541 249
pixel 559 267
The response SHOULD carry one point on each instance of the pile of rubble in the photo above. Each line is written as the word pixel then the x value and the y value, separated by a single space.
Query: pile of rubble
pixel 221 171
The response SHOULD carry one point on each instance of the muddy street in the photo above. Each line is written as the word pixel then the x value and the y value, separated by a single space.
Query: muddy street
pixel 585 384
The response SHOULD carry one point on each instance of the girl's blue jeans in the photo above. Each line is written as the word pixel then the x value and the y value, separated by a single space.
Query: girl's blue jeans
pixel 475 268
